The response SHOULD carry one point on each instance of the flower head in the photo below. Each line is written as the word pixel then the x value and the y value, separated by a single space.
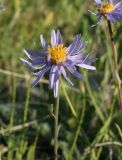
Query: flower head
pixel 110 10
pixel 58 58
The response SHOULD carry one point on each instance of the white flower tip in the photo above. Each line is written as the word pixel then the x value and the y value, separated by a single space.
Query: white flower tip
pixel 25 51
pixel 92 68
pixel 34 74
pixel 72 84
pixel 21 59
pixel 41 36
pixel 94 25
pixel 92 12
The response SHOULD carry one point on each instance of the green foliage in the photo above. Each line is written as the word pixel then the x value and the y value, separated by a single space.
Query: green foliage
pixel 26 118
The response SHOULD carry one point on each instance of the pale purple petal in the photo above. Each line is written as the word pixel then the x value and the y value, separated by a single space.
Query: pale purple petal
pixel 78 56
pixel 118 5
pixel 99 2
pixel 92 12
pixel 41 74
pixel 39 61
pixel 73 44
pixel 59 38
pixel 89 61
pixel 80 46
pixel 98 20
pixel 73 70
pixel 44 45
pixel 86 66
pixel 119 20
pixel 36 52
pixel 52 75
pixel 112 1
pixel 117 14
pixel 29 64
pixel 56 84
pixel 110 18
pixel 56 88
pixel 86 61
pixel 53 38
pixel 28 55
pixel 35 58
pixel 65 75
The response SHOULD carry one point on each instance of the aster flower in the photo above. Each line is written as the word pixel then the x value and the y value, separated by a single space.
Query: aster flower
pixel 57 58
pixel 110 10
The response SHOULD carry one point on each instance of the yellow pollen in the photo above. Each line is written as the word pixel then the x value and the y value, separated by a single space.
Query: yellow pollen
pixel 57 53
pixel 107 8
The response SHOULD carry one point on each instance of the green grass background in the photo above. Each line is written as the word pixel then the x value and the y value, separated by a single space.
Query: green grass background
pixel 26 120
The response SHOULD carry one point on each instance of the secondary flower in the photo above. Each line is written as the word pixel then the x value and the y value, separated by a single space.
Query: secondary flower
pixel 110 10
pixel 58 58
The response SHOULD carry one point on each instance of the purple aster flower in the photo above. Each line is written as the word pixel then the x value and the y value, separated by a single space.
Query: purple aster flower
pixel 111 11
pixel 58 59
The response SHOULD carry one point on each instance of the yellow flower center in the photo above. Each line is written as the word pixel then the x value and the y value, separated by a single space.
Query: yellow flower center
pixel 57 53
pixel 107 8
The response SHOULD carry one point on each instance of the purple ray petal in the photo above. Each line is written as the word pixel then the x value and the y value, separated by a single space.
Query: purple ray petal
pixel 59 38
pixel 44 45
pixel 110 17
pixel 73 70
pixel 53 38
pixel 119 20
pixel 112 1
pixel 56 84
pixel 98 20
pixel 79 47
pixel 65 75
pixel 35 58
pixel 78 56
pixel 92 12
pixel 99 2
pixel 41 74
pixel 36 52
pixel 89 61
pixel 86 61
pixel 29 64
pixel 36 63
pixel 118 5
pixel 86 66
pixel 28 55
pixel 74 44
pixel 52 75
pixel 117 14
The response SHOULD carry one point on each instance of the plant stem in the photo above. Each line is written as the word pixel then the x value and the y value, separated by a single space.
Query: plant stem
pixel 116 76
pixel 27 101
pixel 13 102
pixel 56 129
pixel 77 130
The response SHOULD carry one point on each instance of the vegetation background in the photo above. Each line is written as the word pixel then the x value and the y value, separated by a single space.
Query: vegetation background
pixel 26 120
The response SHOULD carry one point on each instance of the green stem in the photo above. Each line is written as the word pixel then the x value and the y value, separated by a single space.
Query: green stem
pixel 27 102
pixel 56 129
pixel 13 102
pixel 77 131
pixel 116 76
